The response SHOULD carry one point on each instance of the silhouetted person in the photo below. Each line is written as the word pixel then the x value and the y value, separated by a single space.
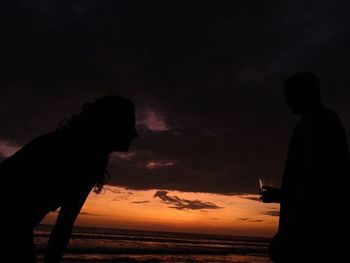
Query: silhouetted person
pixel 314 222
pixel 59 170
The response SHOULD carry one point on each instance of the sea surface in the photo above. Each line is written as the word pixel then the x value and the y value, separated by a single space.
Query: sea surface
pixel 111 245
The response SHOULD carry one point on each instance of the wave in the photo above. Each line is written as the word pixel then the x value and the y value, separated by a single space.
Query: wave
pixel 96 242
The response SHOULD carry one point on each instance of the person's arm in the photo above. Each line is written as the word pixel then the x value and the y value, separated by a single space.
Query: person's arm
pixel 62 230
pixel 270 195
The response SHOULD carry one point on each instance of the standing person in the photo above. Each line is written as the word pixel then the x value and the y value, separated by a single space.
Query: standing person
pixel 314 215
pixel 58 170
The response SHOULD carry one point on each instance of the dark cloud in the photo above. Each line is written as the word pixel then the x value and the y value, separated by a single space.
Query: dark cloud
pixel 250 197
pixel 205 75
pixel 120 195
pixel 81 213
pixel 89 214
pixel 121 198
pixel 140 202
pixel 116 191
pixel 272 213
pixel 181 204
pixel 250 220
pixel 257 199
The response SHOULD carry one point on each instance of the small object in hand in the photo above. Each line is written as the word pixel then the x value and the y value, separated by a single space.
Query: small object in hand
pixel 267 190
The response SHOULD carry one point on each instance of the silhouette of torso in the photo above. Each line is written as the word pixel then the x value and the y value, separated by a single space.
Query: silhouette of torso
pixel 314 200
pixel 53 170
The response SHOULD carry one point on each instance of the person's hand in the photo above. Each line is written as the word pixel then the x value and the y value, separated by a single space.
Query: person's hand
pixel 270 195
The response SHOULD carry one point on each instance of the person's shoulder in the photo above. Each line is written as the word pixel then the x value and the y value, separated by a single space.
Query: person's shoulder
pixel 328 112
pixel 40 141
pixel 329 115
pixel 321 115
pixel 36 146
pixel 27 154
pixel 324 121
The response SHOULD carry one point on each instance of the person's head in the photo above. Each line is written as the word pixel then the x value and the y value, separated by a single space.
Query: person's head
pixel 303 92
pixel 108 122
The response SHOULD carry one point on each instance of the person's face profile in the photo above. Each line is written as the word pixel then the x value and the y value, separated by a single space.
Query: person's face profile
pixel 122 142
pixel 122 136
pixel 293 100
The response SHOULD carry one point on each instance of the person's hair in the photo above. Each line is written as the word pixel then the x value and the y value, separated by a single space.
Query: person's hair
pixel 104 176
pixel 306 83
pixel 105 111
pixel 95 116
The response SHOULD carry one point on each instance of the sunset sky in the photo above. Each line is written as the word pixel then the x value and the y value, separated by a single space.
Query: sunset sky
pixel 162 210
pixel 206 78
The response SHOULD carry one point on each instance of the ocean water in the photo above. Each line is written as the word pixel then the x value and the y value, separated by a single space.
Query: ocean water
pixel 106 245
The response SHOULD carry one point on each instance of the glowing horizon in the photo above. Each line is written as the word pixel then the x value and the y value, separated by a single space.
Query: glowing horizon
pixel 174 211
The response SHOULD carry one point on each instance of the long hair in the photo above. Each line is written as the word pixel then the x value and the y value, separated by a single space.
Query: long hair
pixel 104 176
pixel 94 117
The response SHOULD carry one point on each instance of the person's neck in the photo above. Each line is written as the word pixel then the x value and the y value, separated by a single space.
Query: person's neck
pixel 312 108
pixel 86 142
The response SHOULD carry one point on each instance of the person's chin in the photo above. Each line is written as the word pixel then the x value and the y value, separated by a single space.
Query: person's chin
pixel 121 148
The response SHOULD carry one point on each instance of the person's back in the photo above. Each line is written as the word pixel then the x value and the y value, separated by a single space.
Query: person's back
pixel 314 204
pixel 59 170
pixel 53 166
